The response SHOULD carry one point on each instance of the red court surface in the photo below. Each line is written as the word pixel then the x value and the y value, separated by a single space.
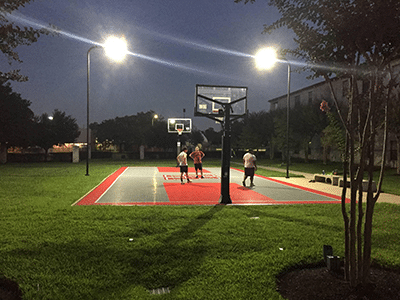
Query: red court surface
pixel 162 186
pixel 209 193
pixel 96 193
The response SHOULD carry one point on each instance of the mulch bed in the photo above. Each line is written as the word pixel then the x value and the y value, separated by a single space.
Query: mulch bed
pixel 322 284
pixel 9 290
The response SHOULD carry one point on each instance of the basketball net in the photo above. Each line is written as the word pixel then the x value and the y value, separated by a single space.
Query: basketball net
pixel 179 131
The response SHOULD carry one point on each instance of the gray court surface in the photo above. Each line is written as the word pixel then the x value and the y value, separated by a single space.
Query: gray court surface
pixel 278 191
pixel 146 184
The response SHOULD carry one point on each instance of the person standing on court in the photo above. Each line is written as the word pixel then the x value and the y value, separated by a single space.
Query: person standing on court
pixel 250 166
pixel 183 165
pixel 197 156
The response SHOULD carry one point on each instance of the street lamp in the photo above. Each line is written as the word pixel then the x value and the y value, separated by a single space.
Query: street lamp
pixel 116 49
pixel 265 59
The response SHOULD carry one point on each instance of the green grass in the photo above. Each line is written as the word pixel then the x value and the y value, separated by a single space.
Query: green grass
pixel 58 251
pixel 391 182
pixel 310 167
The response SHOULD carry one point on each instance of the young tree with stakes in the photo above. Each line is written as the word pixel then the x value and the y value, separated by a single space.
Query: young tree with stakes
pixel 357 40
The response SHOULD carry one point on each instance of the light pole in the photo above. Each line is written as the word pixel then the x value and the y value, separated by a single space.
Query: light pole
pixel 287 120
pixel 265 59
pixel 87 110
pixel 116 49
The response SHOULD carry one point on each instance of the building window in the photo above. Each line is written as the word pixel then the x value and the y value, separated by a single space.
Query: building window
pixel 273 106
pixel 297 100
pixel 310 98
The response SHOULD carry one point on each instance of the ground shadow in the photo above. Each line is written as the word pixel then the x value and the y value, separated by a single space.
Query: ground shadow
pixel 175 259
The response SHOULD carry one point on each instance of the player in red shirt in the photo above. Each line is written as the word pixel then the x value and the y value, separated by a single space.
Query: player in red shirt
pixel 197 155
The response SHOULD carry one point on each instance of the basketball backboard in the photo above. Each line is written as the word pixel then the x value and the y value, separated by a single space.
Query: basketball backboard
pixel 210 100
pixel 175 125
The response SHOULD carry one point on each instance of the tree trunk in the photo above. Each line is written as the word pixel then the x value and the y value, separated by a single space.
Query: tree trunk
pixel 272 149
pixel 353 122
pixel 3 154
pixel 353 217
pixel 368 239
pixel 306 152
pixel 46 154
pixel 369 212
pixel 359 233
pixel 344 212
pixel 325 155
pixel 398 155
pixel 371 199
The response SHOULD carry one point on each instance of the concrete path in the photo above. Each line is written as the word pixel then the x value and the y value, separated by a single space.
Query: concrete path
pixel 324 187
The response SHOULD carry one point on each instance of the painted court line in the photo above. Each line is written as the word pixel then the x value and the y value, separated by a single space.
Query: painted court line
pixel 304 188
pixel 95 194
pixel 177 170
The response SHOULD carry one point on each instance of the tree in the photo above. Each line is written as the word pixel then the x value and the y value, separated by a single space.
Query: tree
pixel 279 140
pixel 257 127
pixel 133 131
pixel 213 137
pixel 58 130
pixel 394 125
pixel 121 131
pixel 307 121
pixel 196 137
pixel 12 36
pixel 159 136
pixel 334 135
pixel 236 131
pixel 45 135
pixel 358 40
pixel 16 120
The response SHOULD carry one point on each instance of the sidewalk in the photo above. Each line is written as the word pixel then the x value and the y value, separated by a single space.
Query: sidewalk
pixel 325 187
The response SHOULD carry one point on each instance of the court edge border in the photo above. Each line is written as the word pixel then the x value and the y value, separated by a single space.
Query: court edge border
pixel 121 170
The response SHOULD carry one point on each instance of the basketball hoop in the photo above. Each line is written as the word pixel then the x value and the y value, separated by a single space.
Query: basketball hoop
pixel 180 130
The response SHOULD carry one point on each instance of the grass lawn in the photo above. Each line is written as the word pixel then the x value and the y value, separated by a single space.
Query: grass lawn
pixel 58 251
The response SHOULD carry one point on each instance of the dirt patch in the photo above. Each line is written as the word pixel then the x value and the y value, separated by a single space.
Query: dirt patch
pixel 9 290
pixel 321 284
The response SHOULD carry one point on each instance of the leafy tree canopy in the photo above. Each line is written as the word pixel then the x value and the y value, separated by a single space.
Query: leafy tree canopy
pixel 16 118
pixel 340 33
pixel 135 130
pixel 12 36
pixel 57 130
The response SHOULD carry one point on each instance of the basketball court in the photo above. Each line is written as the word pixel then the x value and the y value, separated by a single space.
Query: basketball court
pixel 162 186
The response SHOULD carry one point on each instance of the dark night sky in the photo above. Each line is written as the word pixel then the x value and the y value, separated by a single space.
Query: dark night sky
pixel 178 44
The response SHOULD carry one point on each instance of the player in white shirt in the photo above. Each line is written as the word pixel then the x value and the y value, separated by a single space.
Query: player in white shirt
pixel 249 163
pixel 183 165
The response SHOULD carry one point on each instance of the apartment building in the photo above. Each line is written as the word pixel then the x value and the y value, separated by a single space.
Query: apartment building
pixel 314 94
